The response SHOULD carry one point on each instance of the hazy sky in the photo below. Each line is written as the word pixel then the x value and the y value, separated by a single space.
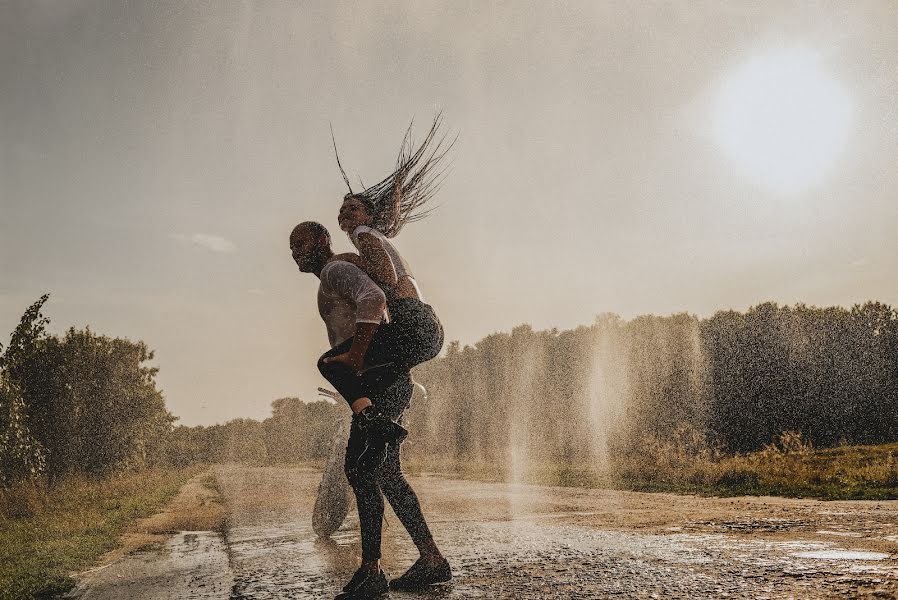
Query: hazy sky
pixel 627 157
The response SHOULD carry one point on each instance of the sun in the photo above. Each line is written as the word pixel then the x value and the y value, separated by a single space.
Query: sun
pixel 783 120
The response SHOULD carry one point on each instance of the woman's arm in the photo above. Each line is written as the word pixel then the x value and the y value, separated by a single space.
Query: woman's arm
pixel 374 260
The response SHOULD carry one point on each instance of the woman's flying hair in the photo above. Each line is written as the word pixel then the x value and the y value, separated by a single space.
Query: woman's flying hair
pixel 399 198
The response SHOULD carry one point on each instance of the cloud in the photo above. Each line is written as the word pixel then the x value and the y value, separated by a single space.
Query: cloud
pixel 214 243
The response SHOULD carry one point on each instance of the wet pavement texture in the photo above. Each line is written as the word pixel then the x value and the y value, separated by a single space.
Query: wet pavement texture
pixel 190 565
pixel 525 541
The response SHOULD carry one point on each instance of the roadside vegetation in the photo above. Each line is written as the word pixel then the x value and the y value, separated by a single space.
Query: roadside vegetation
pixel 83 438
pixel 785 400
pixel 791 401
pixel 50 531
pixel 788 467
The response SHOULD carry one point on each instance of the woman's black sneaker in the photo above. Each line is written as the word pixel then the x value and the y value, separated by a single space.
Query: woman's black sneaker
pixel 421 574
pixel 364 584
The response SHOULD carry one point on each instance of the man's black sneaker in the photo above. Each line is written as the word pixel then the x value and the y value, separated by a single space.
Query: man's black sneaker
pixel 421 574
pixel 356 579
pixel 366 585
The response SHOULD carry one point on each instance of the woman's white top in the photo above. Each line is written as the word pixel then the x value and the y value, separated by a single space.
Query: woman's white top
pixel 402 268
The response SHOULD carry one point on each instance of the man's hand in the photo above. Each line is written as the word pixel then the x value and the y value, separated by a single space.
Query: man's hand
pixel 347 358
pixel 354 358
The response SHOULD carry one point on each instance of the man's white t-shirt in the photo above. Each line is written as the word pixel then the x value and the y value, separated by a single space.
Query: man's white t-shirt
pixel 348 296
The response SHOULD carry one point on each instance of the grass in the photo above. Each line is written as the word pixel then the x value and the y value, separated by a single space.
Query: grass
pixel 788 467
pixel 540 473
pixel 49 532
pixel 685 464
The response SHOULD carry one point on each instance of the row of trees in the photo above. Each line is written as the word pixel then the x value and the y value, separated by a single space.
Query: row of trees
pixel 598 393
pixel 88 403
pixel 738 379
pixel 297 431
pixel 568 397
pixel 830 373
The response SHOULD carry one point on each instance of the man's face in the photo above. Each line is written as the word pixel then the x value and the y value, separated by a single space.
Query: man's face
pixel 305 249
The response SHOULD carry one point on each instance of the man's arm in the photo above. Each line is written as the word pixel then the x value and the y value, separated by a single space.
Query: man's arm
pixel 355 357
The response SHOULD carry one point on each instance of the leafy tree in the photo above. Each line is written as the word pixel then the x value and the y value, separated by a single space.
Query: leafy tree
pixel 21 455
pixel 94 403
pixel 80 403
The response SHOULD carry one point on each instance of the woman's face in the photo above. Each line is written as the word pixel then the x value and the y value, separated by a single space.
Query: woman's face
pixel 352 214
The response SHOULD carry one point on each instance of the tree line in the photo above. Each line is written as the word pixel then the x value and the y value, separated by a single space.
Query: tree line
pixel 297 431
pixel 88 403
pixel 736 380
pixel 84 403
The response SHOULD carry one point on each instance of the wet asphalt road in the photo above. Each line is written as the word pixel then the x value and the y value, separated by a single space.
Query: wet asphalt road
pixel 522 542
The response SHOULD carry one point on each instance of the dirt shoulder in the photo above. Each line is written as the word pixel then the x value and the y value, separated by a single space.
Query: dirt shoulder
pixel 197 507
pixel 178 552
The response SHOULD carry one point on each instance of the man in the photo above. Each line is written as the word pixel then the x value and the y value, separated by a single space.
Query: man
pixel 352 307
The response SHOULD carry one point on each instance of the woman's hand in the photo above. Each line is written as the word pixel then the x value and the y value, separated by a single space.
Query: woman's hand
pixel 349 359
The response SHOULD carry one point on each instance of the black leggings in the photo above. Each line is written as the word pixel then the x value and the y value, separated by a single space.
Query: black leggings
pixel 413 336
pixel 370 487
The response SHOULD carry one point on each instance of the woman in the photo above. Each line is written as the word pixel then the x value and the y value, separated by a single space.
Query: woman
pixel 371 218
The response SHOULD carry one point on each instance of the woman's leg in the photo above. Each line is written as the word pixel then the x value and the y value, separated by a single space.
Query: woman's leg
pixel 415 336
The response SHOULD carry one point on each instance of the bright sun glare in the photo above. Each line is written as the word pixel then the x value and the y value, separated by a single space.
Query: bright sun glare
pixel 783 120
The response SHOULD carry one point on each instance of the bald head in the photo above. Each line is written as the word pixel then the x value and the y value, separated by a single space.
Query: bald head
pixel 310 244
pixel 309 228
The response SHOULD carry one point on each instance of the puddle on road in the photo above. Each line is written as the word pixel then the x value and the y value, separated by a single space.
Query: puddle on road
pixel 750 526
pixel 192 564
pixel 852 534
pixel 842 555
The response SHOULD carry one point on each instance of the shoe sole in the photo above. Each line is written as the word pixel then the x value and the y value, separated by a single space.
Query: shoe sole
pixel 358 595
pixel 399 587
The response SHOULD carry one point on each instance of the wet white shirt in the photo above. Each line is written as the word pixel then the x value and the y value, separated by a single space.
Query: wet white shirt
pixel 348 296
